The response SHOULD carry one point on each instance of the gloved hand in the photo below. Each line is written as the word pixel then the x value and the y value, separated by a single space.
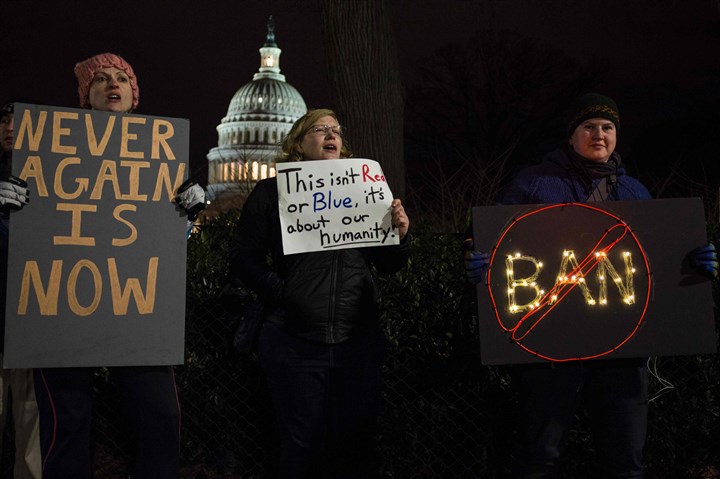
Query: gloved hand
pixel 704 259
pixel 191 197
pixel 476 262
pixel 14 194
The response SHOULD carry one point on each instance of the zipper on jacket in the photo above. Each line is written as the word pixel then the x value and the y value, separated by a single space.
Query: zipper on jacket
pixel 333 294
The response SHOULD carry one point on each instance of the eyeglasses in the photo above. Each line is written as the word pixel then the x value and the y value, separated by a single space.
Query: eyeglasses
pixel 325 129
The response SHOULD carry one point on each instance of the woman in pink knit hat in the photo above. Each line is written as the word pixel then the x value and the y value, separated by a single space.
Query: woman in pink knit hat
pixel 107 82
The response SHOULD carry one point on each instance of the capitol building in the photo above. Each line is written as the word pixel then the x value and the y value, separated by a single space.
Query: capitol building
pixel 259 116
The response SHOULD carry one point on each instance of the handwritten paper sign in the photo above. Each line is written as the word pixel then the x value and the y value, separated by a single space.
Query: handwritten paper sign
pixel 334 204
pixel 96 268
pixel 593 281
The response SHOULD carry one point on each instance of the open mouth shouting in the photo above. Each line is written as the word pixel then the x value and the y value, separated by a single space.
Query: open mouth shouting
pixel 110 90
pixel 322 141
pixel 330 150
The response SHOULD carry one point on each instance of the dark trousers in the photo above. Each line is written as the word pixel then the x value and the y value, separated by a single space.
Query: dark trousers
pixel 614 393
pixel 326 400
pixel 150 403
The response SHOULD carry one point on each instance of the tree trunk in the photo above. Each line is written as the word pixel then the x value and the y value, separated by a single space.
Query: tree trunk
pixel 364 75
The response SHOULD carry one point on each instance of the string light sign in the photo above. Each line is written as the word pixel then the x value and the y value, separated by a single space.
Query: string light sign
pixel 580 281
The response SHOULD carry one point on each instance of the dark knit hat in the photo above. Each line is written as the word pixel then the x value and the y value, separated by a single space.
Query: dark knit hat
pixel 86 69
pixel 7 109
pixel 592 105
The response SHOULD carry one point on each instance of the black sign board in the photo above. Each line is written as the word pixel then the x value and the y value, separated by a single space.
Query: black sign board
pixel 592 281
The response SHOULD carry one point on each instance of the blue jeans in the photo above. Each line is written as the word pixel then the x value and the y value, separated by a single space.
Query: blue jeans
pixel 326 399
pixel 614 392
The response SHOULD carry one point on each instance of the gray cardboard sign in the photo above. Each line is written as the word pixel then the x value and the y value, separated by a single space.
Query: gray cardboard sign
pixel 96 267
pixel 592 281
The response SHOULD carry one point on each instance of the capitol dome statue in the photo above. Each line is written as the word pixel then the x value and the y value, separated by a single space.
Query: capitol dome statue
pixel 260 114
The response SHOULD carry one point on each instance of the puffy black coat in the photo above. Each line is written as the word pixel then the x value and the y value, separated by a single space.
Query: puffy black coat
pixel 324 296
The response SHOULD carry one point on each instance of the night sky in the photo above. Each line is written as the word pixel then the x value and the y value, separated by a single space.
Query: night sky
pixel 660 60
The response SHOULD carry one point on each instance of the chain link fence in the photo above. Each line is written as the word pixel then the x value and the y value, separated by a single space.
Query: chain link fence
pixel 444 416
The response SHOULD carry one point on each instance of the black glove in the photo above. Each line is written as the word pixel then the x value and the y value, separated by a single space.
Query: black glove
pixel 476 262
pixel 14 193
pixel 704 259
pixel 191 197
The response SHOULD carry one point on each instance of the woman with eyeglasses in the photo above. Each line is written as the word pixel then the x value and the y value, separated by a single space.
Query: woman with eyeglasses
pixel 320 346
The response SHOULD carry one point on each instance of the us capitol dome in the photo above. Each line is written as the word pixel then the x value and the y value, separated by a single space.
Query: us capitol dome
pixel 260 114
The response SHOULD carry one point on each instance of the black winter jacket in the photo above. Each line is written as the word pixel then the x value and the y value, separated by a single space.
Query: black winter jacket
pixel 324 296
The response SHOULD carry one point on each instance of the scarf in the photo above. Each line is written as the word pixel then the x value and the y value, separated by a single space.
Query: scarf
pixel 590 170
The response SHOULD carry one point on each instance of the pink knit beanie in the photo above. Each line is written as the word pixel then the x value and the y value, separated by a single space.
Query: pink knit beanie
pixel 85 72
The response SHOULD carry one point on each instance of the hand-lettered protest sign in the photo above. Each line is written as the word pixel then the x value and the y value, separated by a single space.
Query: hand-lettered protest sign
pixel 592 281
pixel 334 204
pixel 96 265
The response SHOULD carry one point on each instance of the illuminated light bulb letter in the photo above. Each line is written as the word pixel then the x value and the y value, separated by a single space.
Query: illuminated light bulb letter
pixel 575 277
pixel 605 269
pixel 528 282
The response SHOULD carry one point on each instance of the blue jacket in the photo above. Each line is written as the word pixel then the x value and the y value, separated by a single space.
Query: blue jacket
pixel 555 180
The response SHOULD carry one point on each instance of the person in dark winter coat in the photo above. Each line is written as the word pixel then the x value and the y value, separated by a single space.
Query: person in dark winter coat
pixel 106 82
pixel 615 391
pixel 17 382
pixel 321 346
